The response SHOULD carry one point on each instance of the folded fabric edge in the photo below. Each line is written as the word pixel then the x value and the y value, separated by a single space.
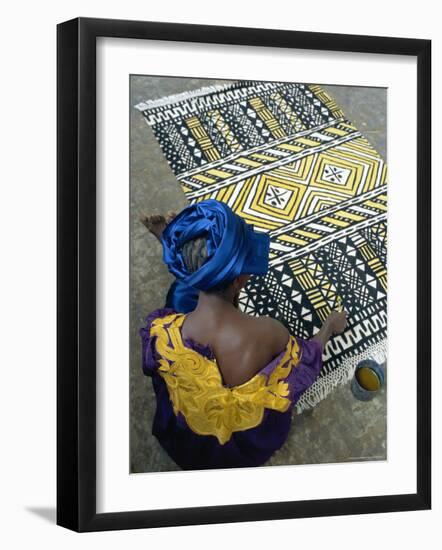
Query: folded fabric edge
pixel 175 98
pixel 323 385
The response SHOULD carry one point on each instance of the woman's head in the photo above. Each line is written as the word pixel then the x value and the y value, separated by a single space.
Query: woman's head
pixel 195 255
pixel 209 247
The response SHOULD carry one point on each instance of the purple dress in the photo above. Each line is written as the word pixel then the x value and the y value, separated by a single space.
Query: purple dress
pixel 203 423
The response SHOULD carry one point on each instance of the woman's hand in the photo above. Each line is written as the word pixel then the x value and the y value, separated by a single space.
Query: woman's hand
pixel 337 321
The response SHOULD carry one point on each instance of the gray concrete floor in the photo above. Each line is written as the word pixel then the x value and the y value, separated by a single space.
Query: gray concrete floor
pixel 340 428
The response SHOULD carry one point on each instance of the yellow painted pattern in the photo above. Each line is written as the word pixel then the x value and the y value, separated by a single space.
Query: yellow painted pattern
pixel 307 141
pixel 350 215
pixel 244 193
pixel 309 283
pixel 297 171
pixel 204 141
pixel 248 162
pixel 336 131
pixel 225 130
pixel 204 179
pixel 308 234
pixel 291 147
pixel 261 156
pixel 292 239
pixel 335 221
pixel 377 205
pixel 220 173
pixel 285 108
pixel 328 101
pixel 361 145
pixel 267 117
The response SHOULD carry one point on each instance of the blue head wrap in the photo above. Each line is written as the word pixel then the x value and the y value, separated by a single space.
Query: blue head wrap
pixel 233 246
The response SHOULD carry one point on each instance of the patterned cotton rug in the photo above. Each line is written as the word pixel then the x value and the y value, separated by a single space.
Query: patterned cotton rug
pixel 284 157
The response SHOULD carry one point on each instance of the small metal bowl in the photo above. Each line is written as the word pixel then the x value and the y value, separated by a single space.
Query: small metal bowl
pixel 358 390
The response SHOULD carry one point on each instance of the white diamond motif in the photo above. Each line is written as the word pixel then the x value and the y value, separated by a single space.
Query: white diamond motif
pixel 278 197
pixel 335 174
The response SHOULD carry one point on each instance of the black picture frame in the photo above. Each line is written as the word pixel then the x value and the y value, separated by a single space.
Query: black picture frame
pixel 76 274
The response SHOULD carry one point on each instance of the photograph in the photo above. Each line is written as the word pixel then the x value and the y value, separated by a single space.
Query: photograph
pixel 258 273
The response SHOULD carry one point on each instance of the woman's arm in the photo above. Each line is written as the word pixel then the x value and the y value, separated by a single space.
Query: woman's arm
pixel 334 324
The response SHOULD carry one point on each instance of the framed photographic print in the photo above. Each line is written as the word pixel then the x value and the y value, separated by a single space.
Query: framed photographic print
pixel 238 271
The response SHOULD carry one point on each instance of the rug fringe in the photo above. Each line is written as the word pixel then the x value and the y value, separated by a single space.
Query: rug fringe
pixel 175 98
pixel 323 386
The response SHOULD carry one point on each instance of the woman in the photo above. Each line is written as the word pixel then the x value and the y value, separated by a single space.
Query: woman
pixel 225 382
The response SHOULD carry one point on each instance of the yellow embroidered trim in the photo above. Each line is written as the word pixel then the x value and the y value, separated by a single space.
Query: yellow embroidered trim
pixel 196 390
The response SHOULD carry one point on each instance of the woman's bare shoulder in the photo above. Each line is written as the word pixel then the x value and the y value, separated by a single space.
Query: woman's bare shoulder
pixel 266 321
pixel 276 335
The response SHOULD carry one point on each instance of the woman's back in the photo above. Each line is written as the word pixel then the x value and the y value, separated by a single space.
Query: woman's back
pixel 201 421
pixel 242 345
